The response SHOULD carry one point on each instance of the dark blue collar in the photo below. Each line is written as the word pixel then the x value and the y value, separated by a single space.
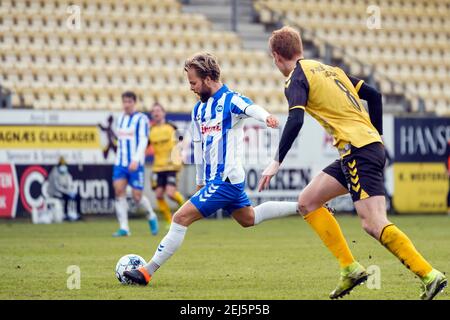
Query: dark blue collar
pixel 220 92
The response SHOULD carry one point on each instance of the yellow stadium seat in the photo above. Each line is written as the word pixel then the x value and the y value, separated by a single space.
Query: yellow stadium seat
pixel 142 44
pixel 411 37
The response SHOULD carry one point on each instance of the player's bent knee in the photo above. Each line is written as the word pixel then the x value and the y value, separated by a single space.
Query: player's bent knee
pixel 179 218
pixel 245 216
pixel 171 193
pixel 182 220
pixel 186 215
pixel 302 210
pixel 120 194
pixel 137 198
pixel 159 194
pixel 246 223
pixel 307 204
pixel 305 207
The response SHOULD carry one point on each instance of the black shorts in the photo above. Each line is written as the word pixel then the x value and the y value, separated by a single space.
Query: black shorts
pixel 361 171
pixel 164 178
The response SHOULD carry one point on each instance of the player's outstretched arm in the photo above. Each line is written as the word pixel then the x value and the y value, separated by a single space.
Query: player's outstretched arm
pixel 259 113
pixel 243 105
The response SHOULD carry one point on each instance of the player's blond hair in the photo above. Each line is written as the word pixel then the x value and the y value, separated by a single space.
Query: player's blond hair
pixel 286 42
pixel 205 64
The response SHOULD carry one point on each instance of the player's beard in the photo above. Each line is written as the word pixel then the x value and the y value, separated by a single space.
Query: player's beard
pixel 205 93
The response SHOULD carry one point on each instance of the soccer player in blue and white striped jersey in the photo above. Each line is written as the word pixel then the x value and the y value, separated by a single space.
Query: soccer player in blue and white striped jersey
pixel 217 125
pixel 132 133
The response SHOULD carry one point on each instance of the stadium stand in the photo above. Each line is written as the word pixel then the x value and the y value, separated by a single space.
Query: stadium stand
pixel 135 44
pixel 410 49
pixel 5 97
pixel 142 44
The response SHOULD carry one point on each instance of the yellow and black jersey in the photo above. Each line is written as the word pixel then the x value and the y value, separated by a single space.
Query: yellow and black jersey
pixel 328 95
pixel 163 139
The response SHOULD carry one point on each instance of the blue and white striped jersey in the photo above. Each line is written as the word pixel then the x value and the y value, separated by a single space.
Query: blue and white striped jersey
pixel 132 133
pixel 217 124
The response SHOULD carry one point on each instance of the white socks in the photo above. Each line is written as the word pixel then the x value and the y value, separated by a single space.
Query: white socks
pixel 174 238
pixel 122 213
pixel 169 244
pixel 148 207
pixel 274 209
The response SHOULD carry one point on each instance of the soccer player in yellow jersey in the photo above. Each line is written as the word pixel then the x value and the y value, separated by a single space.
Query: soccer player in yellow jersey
pixel 167 161
pixel 331 97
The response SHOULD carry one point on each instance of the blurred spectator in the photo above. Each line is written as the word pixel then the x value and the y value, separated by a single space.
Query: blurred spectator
pixel 60 186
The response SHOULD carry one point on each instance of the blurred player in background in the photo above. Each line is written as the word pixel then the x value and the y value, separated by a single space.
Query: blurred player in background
pixel 331 97
pixel 167 161
pixel 132 133
pixel 218 137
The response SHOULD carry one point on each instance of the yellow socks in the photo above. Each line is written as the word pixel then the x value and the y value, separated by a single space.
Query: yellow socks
pixel 164 206
pixel 165 209
pixel 400 246
pixel 391 237
pixel 329 231
pixel 178 197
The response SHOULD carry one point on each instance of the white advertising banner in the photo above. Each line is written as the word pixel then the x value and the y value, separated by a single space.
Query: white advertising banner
pixel 33 136
pixel 311 152
pixel 86 138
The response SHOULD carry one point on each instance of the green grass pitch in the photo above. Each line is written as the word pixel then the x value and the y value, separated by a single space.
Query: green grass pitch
pixel 279 259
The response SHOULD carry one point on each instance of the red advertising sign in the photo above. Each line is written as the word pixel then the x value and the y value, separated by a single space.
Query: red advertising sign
pixel 8 191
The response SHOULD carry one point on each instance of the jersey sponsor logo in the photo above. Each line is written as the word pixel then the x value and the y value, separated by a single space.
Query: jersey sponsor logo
pixel 209 129
pixel 125 134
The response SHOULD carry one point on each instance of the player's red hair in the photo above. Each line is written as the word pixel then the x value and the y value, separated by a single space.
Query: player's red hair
pixel 286 42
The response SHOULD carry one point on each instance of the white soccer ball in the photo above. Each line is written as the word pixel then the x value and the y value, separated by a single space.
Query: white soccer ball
pixel 127 263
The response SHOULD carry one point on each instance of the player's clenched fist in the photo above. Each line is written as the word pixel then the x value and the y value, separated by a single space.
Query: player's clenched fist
pixel 272 121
